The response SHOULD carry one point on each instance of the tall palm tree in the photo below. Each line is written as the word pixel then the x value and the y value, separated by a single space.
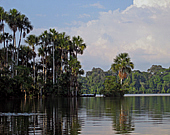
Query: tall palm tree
pixel 24 26
pixel 63 46
pixel 78 44
pixel 41 53
pixel 6 37
pixel 54 37
pixel 13 16
pixel 79 47
pixel 45 41
pixel 123 65
pixel 3 17
pixel 32 40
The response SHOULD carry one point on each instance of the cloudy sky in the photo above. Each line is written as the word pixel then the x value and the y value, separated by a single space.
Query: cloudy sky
pixel 138 27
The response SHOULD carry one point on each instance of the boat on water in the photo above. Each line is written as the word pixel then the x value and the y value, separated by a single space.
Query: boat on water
pixel 87 95
pixel 92 95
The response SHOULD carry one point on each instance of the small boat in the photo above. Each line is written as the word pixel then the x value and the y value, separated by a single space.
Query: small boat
pixel 87 95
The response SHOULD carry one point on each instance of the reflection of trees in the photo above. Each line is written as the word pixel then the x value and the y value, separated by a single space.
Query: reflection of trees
pixel 43 116
pixel 118 109
pixel 60 116
pixel 122 119
pixel 151 107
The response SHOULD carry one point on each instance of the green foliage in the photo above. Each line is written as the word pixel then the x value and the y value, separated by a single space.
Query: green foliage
pixel 94 81
pixel 156 80
pixel 53 70
pixel 111 87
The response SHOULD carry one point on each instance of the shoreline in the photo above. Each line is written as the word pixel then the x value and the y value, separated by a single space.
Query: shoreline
pixel 145 95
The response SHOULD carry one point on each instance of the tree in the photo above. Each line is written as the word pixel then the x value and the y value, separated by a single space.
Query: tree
pixel 13 24
pixel 3 17
pixel 45 41
pixel 123 65
pixel 32 40
pixel 79 47
pixel 24 27
pixel 6 37
pixel 54 37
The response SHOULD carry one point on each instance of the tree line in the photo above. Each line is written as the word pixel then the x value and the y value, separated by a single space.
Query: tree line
pixel 47 64
pixel 111 82
pixel 155 80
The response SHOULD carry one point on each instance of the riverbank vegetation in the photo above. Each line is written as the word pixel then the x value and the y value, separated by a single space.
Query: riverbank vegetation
pixel 155 80
pixel 45 64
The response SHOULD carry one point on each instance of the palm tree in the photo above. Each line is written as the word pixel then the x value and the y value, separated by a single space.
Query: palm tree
pixel 32 40
pixel 25 55
pixel 63 46
pixel 45 41
pixel 3 17
pixel 6 37
pixel 41 53
pixel 79 47
pixel 13 24
pixel 78 44
pixel 24 27
pixel 123 65
pixel 54 37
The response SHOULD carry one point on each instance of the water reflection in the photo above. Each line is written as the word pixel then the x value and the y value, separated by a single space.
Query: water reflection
pixel 83 115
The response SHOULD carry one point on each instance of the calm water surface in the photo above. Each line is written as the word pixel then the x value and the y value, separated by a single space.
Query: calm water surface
pixel 86 116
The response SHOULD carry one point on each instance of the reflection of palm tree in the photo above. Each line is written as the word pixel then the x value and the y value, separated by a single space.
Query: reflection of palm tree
pixel 124 123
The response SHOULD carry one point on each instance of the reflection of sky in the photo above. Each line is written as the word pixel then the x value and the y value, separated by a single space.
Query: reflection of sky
pixel 98 127
pixel 151 129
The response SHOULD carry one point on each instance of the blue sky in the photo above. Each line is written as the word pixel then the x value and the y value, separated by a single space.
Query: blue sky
pixel 58 13
pixel 138 27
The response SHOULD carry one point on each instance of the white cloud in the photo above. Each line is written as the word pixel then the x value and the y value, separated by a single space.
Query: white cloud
pixel 152 3
pixel 142 32
pixel 98 5
pixel 84 15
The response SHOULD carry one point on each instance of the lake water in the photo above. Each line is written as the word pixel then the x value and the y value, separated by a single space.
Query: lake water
pixel 131 115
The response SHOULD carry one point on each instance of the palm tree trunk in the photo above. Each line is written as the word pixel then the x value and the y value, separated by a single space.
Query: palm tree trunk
pixel 121 81
pixel 76 77
pixel 19 47
pixel 34 67
pixel 12 66
pixel 53 66
pixel 4 48
pixel 46 67
pixel 43 69
pixel 7 53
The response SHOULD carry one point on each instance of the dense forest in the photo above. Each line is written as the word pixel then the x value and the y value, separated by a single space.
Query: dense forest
pixel 155 80
pixel 45 64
